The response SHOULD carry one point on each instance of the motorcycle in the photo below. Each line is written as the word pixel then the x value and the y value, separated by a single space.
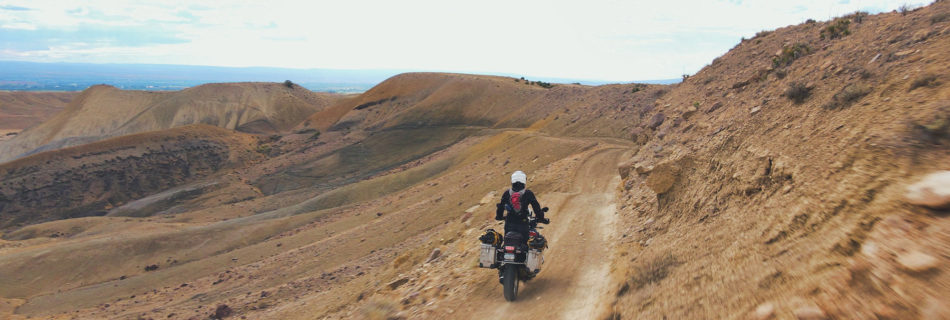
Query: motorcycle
pixel 515 259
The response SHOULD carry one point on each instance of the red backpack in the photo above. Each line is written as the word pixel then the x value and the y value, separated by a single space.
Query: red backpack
pixel 516 199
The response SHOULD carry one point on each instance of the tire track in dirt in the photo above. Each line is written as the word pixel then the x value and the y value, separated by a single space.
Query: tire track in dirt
pixel 576 272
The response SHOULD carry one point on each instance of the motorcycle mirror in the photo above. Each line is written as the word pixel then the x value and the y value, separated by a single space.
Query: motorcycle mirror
pixel 545 209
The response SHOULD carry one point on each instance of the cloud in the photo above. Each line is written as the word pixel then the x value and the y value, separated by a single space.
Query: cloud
pixel 14 8
pixel 85 36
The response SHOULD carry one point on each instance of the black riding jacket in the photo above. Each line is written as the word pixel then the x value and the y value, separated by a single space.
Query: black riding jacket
pixel 518 217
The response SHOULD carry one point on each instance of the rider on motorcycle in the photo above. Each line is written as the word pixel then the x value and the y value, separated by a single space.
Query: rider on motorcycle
pixel 516 201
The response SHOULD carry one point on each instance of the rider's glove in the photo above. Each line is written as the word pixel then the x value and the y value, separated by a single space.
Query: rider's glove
pixel 545 220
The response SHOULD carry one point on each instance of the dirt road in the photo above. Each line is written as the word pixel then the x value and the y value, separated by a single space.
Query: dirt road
pixel 575 274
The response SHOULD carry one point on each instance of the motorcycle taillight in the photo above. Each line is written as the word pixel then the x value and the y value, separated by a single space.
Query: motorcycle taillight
pixel 532 233
pixel 509 249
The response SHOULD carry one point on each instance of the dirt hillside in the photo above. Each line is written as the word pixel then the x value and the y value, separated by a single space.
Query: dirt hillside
pixel 246 107
pixel 771 184
pixel 20 110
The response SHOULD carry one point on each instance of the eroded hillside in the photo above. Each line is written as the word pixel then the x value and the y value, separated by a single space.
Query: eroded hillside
pixel 247 107
pixel 771 184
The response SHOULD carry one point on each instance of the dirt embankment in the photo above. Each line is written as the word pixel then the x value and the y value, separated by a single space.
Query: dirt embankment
pixel 90 180
pixel 778 177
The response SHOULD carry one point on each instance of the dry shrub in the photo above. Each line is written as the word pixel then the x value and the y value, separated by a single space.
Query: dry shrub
pixel 857 16
pixel 222 311
pixel 936 131
pixel 797 92
pixel 790 53
pixel 781 73
pixel 905 9
pixel 653 271
pixel 378 309
pixel 940 17
pixel 924 80
pixel 848 95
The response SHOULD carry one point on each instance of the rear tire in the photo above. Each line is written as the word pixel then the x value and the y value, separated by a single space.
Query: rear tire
pixel 510 282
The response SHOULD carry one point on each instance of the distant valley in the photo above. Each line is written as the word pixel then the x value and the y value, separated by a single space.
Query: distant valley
pixel 34 76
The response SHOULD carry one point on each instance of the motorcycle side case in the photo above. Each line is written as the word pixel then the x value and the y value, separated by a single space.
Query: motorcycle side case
pixel 534 260
pixel 486 257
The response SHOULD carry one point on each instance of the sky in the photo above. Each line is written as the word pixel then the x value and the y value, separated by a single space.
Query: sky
pixel 607 40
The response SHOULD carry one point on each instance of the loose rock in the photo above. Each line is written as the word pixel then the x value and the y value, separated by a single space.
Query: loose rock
pixel 917 261
pixel 764 311
pixel 809 313
pixel 434 255
pixel 221 312
pixel 398 282
pixel 662 177
pixel 656 120
pixel 931 191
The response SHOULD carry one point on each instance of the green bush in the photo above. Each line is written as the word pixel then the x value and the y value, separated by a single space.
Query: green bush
pixel 289 84
pixel 790 53
pixel 315 136
pixel 836 29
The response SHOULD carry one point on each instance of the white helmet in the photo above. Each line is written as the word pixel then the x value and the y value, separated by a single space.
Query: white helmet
pixel 519 176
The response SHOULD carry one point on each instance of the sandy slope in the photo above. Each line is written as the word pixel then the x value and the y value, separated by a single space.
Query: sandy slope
pixel 23 109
